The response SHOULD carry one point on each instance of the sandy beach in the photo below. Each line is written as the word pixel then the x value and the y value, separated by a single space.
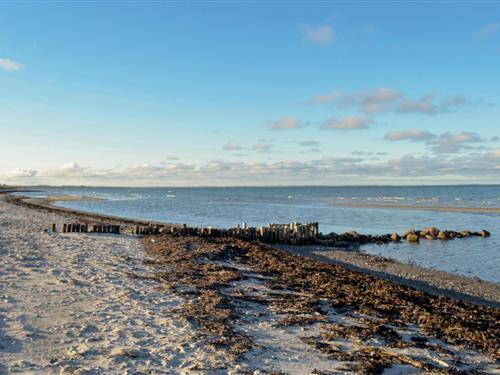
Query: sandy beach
pixel 100 303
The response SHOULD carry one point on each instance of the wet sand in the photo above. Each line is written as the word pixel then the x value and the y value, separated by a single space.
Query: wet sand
pixel 431 281
pixel 99 303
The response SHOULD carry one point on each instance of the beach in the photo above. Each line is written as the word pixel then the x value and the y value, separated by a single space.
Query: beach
pixel 92 303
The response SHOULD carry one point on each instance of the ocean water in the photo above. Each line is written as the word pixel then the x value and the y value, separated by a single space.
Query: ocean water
pixel 225 207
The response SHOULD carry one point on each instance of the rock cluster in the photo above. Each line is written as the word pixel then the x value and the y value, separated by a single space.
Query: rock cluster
pixel 433 233
pixel 353 238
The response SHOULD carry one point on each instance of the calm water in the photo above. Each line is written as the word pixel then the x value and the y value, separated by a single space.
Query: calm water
pixel 226 207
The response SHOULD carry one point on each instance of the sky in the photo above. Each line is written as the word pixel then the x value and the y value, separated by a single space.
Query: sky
pixel 249 93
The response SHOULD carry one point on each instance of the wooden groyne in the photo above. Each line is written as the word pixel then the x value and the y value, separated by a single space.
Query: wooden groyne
pixel 86 228
pixel 293 233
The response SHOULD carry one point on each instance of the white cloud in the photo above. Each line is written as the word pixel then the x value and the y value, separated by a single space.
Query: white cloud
pixel 326 98
pixel 263 147
pixel 425 104
pixel 488 29
pixel 232 146
pixel 372 101
pixel 446 143
pixel 309 143
pixel 413 135
pixel 322 34
pixel 20 173
pixel 347 123
pixel 286 123
pixel 383 100
pixel 476 167
pixel 7 64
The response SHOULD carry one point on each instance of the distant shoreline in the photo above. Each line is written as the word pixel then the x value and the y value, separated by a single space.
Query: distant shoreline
pixel 423 208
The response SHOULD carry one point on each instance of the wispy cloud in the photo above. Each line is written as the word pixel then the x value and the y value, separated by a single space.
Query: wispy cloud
pixel 383 100
pixel 322 34
pixel 286 123
pixel 309 143
pixel 7 64
pixel 263 147
pixel 347 123
pixel 488 29
pixel 372 101
pixel 448 143
pixel 232 146
pixel 445 143
pixel 413 135
pixel 326 98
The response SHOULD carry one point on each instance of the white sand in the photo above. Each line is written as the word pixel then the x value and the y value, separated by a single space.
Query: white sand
pixel 67 303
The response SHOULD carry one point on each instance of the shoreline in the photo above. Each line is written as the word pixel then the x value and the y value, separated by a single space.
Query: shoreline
pixel 436 282
pixel 104 302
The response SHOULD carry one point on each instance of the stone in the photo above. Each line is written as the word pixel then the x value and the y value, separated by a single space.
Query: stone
pixel 395 237
pixel 443 235
pixel 412 237
pixel 429 237
pixel 484 233
pixel 432 231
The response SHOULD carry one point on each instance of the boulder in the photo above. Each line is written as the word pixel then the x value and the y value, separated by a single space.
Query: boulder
pixel 429 237
pixel 395 237
pixel 443 235
pixel 412 237
pixel 353 234
pixel 409 231
pixel 465 233
pixel 484 233
pixel 432 231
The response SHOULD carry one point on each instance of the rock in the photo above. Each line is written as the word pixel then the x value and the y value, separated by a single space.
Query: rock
pixel 429 237
pixel 432 231
pixel 409 231
pixel 465 233
pixel 395 237
pixel 443 235
pixel 412 237
pixel 353 234
pixel 484 233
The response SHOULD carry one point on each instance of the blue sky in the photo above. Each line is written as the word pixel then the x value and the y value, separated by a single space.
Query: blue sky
pixel 220 93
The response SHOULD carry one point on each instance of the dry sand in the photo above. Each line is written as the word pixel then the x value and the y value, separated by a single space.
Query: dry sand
pixel 74 303
pixel 96 303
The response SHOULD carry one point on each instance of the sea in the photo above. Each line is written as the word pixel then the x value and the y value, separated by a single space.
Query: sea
pixel 337 209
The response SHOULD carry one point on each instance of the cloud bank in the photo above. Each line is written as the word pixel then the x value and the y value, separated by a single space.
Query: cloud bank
pixel 335 171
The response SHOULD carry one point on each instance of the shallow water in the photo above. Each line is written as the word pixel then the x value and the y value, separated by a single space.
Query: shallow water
pixel 225 207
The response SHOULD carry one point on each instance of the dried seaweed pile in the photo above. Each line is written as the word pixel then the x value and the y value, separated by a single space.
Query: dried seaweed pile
pixel 201 270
